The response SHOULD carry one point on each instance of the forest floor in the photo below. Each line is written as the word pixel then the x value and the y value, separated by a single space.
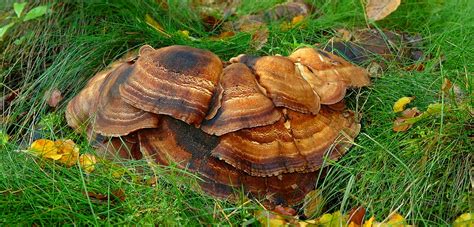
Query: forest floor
pixel 423 173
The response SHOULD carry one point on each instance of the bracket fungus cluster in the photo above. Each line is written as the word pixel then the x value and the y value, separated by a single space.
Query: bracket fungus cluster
pixel 264 124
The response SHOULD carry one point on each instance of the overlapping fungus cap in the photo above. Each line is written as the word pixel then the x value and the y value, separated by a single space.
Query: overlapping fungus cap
pixel 84 105
pixel 114 116
pixel 282 82
pixel 296 144
pixel 175 142
pixel 239 103
pixel 257 124
pixel 327 66
pixel 178 81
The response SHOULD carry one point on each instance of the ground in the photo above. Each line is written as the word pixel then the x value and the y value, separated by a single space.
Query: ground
pixel 423 173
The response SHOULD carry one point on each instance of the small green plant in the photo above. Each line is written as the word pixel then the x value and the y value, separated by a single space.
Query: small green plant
pixel 34 13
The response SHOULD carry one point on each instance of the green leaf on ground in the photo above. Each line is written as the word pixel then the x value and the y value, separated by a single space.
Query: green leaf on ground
pixel 4 29
pixel 36 12
pixel 19 7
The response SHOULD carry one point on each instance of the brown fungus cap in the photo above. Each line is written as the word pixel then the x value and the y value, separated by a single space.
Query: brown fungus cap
pixel 241 104
pixel 176 142
pixel 328 85
pixel 114 116
pixel 297 144
pixel 282 82
pixel 116 148
pixel 178 81
pixel 324 64
pixel 82 108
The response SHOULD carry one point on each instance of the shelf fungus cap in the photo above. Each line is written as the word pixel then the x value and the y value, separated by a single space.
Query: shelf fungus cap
pixel 297 144
pixel 329 86
pixel 176 142
pixel 178 81
pixel 239 103
pixel 323 64
pixel 80 111
pixel 282 82
pixel 114 116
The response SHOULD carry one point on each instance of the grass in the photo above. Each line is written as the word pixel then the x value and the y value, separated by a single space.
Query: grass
pixel 423 173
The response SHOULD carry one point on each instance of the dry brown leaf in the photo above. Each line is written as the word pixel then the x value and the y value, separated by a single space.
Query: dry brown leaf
pixel 447 85
pixel 379 9
pixel 399 125
pixel 356 215
pixel 54 98
pixel 117 195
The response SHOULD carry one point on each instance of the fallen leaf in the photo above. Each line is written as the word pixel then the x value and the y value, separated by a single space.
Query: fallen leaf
pixel 447 85
pixel 87 162
pixel 313 203
pixel 287 211
pixel 270 219
pixel 396 220
pixel 375 70
pixel 98 196
pixel 400 124
pixel 400 104
pixel 344 34
pixel 332 220
pixel 36 12
pixel 306 223
pixel 119 194
pixel 54 98
pixel 45 148
pixel 434 108
pixel 356 215
pixel 419 67
pixel 369 222
pixel 297 20
pixel 259 38
pixel 464 220
pixel 69 151
pixel 4 29
pixel 18 8
pixel 379 9
pixel 152 181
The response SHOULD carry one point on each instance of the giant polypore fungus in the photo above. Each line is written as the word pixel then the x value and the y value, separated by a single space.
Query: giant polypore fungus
pixel 265 124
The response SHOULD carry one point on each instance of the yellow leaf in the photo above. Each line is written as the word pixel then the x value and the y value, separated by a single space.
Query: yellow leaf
pixel 69 152
pixel 369 222
pixel 379 9
pixel 434 108
pixel 46 149
pixel 154 24
pixel 396 220
pixel 296 20
pixel 400 104
pixel 332 220
pixel 87 162
pixel 270 219
pixel 352 224
pixel 464 220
